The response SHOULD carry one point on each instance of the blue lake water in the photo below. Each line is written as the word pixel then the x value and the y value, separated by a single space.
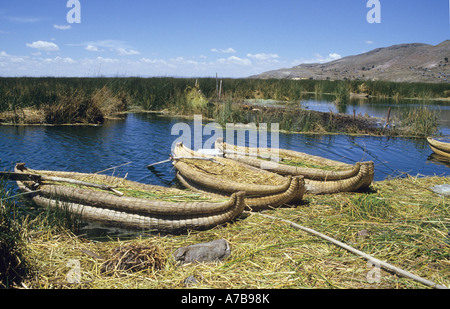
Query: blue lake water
pixel 142 139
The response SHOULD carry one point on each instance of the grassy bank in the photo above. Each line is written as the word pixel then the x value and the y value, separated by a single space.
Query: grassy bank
pixel 91 100
pixel 400 221
pixel 14 265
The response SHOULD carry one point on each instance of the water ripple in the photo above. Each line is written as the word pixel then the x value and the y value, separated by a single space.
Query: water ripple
pixel 142 139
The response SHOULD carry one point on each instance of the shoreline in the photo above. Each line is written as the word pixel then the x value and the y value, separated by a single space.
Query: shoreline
pixel 371 122
pixel 410 233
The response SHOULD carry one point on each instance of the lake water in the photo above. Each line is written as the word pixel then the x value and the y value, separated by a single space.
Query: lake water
pixel 372 107
pixel 141 139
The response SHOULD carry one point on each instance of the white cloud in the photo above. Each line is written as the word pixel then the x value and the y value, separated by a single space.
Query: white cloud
pixel 153 61
pixel 60 60
pixel 223 51
pixel 108 60
pixel 318 59
pixel 24 20
pixel 263 56
pixel 12 59
pixel 182 60
pixel 123 52
pixel 92 48
pixel 62 27
pixel 234 60
pixel 119 47
pixel 333 56
pixel 42 45
pixel 370 42
pixel 116 65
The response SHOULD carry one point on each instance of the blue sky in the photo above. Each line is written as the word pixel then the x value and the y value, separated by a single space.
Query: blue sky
pixel 199 38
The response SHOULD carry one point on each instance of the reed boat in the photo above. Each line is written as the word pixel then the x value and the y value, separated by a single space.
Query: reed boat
pixel 120 202
pixel 439 146
pixel 321 175
pixel 217 175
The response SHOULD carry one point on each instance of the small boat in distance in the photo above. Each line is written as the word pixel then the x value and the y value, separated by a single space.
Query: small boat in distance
pixel 119 202
pixel 321 175
pixel 217 175
pixel 439 146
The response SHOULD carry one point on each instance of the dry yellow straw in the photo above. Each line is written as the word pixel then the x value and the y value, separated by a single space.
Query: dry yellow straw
pixel 375 261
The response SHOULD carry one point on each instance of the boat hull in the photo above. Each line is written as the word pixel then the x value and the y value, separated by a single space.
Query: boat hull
pixel 438 147
pixel 346 177
pixel 130 212
pixel 257 196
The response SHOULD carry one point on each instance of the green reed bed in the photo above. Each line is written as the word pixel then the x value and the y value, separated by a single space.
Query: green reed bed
pixel 163 92
pixel 419 121
pixel 91 100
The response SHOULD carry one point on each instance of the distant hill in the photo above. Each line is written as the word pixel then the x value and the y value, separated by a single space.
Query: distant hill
pixel 400 63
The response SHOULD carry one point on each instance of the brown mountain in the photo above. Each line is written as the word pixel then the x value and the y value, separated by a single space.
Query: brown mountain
pixel 400 63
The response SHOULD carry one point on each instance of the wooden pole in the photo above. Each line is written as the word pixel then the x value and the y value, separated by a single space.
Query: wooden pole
pixel 217 89
pixel 387 118
pixel 375 261
pixel 40 178
pixel 179 158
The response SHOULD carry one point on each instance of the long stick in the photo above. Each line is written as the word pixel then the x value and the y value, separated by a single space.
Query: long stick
pixel 114 167
pixel 179 158
pixel 81 183
pixel 375 261
pixel 39 178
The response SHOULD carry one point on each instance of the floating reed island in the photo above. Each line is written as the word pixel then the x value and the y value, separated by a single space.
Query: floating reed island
pixel 222 176
pixel 120 202
pixel 400 222
pixel 321 175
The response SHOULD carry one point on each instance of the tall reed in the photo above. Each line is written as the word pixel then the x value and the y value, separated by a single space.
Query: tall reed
pixel 14 265
pixel 420 121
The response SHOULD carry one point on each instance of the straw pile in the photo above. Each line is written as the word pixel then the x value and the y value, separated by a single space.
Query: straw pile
pixel 135 257
pixel 287 157
pixel 400 221
pixel 231 170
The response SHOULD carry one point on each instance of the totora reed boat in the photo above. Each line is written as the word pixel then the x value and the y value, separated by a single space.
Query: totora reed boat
pixel 217 175
pixel 120 202
pixel 321 175
pixel 439 146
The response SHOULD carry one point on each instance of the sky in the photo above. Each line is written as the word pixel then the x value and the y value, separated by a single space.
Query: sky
pixel 202 38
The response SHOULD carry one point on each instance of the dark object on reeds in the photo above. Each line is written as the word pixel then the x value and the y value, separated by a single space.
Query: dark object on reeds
pixel 135 257
pixel 213 251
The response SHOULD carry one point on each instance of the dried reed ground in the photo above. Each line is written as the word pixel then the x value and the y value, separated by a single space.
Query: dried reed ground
pixel 400 222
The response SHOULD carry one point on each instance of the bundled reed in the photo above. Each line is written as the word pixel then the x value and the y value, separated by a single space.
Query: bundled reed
pixel 173 211
pixel 223 176
pixel 321 175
